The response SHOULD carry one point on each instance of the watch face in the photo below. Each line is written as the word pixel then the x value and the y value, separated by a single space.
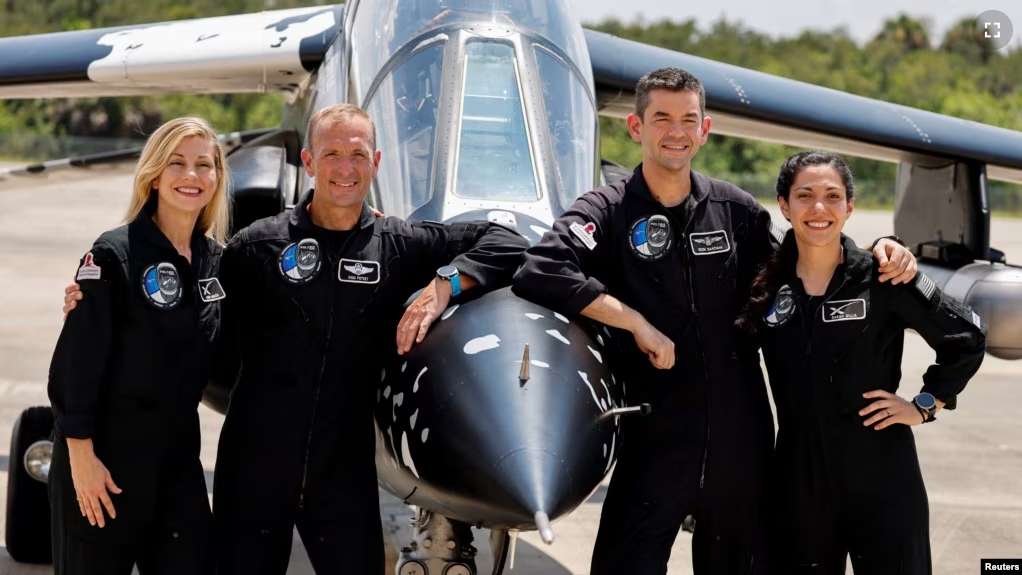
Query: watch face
pixel 447 271
pixel 926 401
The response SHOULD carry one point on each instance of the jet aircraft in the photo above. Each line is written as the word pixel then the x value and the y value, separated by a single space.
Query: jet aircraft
pixel 507 416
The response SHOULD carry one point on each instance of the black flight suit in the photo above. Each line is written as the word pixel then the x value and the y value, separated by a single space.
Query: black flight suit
pixel 706 446
pixel 128 371
pixel 314 323
pixel 842 487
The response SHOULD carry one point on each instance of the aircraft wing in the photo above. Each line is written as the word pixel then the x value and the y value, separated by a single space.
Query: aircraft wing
pixel 107 163
pixel 261 52
pixel 752 104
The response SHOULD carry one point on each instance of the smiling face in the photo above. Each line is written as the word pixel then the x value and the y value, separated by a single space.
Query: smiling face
pixel 342 161
pixel 817 206
pixel 671 130
pixel 189 180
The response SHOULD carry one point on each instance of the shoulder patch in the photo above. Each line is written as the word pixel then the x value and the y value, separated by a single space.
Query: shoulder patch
pixel 585 233
pixel 925 285
pixel 89 269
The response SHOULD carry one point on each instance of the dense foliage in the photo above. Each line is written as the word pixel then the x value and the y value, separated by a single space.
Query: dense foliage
pixel 902 64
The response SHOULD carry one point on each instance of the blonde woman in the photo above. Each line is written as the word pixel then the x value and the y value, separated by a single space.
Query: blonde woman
pixel 126 485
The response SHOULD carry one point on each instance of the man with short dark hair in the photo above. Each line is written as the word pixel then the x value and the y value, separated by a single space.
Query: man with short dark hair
pixel 666 258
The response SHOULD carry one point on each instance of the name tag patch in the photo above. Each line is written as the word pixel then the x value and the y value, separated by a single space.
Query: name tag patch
pixel 358 271
pixel 844 310
pixel 707 243
pixel 211 290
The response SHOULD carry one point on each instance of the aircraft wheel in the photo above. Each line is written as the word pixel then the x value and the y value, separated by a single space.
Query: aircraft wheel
pixel 28 504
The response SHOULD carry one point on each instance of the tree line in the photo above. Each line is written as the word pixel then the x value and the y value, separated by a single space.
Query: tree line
pixel 902 63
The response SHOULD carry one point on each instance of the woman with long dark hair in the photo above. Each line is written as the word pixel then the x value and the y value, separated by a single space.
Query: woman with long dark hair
pixel 848 480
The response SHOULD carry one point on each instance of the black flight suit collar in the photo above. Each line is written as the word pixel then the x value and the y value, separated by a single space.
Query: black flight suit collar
pixel 301 219
pixel 151 233
pixel 637 185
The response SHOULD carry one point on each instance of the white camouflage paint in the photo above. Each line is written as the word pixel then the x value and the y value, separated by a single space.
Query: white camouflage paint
pixel 482 344
pixel 613 441
pixel 538 363
pixel 242 53
pixel 599 357
pixel 596 400
pixel 406 455
pixel 557 335
pixel 413 418
pixel 447 313
pixel 425 434
pixel 415 387
pixel 399 398
pixel 561 317
pixel 533 316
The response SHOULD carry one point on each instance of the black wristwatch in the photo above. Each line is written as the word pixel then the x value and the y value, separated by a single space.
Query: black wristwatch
pixel 927 405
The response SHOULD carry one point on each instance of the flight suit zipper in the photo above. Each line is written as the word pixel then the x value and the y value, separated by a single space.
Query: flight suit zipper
pixel 322 370
pixel 690 272
pixel 805 328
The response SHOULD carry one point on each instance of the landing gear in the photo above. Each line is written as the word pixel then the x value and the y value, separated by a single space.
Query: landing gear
pixel 28 503
pixel 443 547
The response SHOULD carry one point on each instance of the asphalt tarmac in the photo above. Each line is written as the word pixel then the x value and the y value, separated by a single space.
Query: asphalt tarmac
pixel 971 458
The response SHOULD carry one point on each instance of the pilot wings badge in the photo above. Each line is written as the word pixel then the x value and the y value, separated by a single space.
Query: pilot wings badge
pixel 358 271
pixel 706 243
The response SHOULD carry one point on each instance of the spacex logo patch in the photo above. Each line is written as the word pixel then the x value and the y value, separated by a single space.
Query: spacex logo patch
pixel 358 272
pixel 210 290
pixel 706 243
pixel 844 310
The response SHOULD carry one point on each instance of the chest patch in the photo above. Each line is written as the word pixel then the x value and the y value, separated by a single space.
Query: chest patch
pixel 650 237
pixel 844 310
pixel 707 243
pixel 782 309
pixel 211 290
pixel 300 262
pixel 358 271
pixel 161 285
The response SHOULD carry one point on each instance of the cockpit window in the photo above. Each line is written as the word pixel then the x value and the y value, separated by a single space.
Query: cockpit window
pixel 572 122
pixel 382 27
pixel 404 109
pixel 494 155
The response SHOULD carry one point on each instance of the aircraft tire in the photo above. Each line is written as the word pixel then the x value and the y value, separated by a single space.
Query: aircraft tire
pixel 28 504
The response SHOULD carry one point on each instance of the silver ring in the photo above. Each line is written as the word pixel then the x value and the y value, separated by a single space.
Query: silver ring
pixel 888 412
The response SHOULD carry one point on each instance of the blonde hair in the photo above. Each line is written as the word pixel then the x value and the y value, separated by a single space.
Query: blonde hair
pixel 339 113
pixel 214 219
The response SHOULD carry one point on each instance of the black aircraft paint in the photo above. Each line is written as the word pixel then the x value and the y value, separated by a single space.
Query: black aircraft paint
pixel 487 447
pixel 49 58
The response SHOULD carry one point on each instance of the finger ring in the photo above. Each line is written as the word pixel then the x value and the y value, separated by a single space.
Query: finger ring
pixel 888 412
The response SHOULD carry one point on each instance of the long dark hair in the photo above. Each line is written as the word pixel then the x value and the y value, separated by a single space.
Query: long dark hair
pixel 781 264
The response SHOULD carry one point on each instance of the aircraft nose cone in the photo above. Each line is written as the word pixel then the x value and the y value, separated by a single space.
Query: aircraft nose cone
pixel 536 481
pixel 469 438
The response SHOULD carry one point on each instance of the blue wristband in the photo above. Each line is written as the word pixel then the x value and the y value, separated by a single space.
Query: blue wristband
pixel 455 285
